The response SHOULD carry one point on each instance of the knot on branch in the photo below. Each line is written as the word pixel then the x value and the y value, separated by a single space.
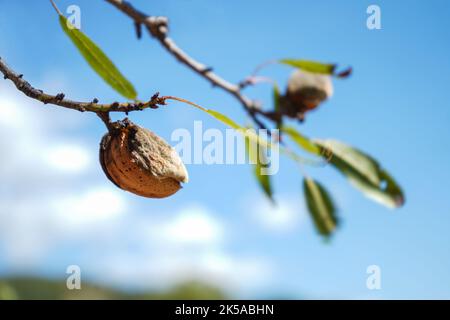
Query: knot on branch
pixel 60 96
pixel 156 101
pixel 158 26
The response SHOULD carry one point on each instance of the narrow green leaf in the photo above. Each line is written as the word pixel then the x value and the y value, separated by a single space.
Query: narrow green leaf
pixel 277 107
pixel 256 155
pixel 320 206
pixel 364 172
pixel 253 143
pixel 98 61
pixel 276 97
pixel 264 181
pixel 223 118
pixel 311 66
pixel 250 134
pixel 304 142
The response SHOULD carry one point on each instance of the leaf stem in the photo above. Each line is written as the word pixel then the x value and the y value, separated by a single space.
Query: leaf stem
pixel 185 101
pixel 56 8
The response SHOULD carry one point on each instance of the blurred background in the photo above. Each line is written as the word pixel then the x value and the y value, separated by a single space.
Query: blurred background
pixel 219 237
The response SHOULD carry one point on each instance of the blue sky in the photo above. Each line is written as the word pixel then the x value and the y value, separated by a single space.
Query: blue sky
pixel 395 107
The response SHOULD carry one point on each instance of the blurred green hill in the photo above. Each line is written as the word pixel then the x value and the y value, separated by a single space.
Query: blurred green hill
pixel 32 288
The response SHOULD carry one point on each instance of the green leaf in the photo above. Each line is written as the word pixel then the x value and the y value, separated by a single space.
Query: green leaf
pixel 276 97
pixel 253 142
pixel 301 140
pixel 320 206
pixel 311 66
pixel 224 119
pixel 256 155
pixel 264 181
pixel 277 106
pixel 98 61
pixel 364 172
pixel 250 134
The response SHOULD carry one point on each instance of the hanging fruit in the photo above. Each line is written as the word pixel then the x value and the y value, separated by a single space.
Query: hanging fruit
pixel 137 160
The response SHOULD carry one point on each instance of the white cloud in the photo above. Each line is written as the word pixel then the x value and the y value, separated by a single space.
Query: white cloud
pixel 193 225
pixel 32 232
pixel 131 250
pixel 30 150
pixel 233 273
pixel 70 158
pixel 23 237
pixel 12 115
pixel 252 271
pixel 53 211
pixel 188 244
pixel 31 227
pixel 285 216
pixel 97 204
pixel 33 172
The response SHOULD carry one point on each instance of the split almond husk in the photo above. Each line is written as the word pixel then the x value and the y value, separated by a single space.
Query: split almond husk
pixel 305 91
pixel 137 160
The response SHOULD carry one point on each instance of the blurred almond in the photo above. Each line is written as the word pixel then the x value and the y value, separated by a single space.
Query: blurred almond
pixel 305 91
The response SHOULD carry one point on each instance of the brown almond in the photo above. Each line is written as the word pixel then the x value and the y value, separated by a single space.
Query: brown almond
pixel 137 160
pixel 305 91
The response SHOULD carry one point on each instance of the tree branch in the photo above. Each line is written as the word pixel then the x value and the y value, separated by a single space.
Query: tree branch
pixel 158 28
pixel 59 99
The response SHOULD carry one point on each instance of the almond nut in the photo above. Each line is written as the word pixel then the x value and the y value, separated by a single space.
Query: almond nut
pixel 137 160
pixel 305 91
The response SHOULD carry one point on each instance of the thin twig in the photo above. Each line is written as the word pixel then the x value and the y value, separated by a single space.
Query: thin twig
pixel 59 99
pixel 158 28
pixel 56 8
pixel 104 116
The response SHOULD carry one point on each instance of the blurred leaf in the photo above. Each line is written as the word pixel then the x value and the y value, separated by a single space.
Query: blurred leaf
pixel 364 172
pixel 250 134
pixel 223 118
pixel 264 180
pixel 320 206
pixel 311 66
pixel 257 155
pixel 345 73
pixel 318 67
pixel 98 61
pixel 276 97
pixel 301 140
pixel 277 108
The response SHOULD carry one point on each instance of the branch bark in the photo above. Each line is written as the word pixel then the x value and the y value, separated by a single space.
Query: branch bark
pixel 158 28
pixel 59 99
